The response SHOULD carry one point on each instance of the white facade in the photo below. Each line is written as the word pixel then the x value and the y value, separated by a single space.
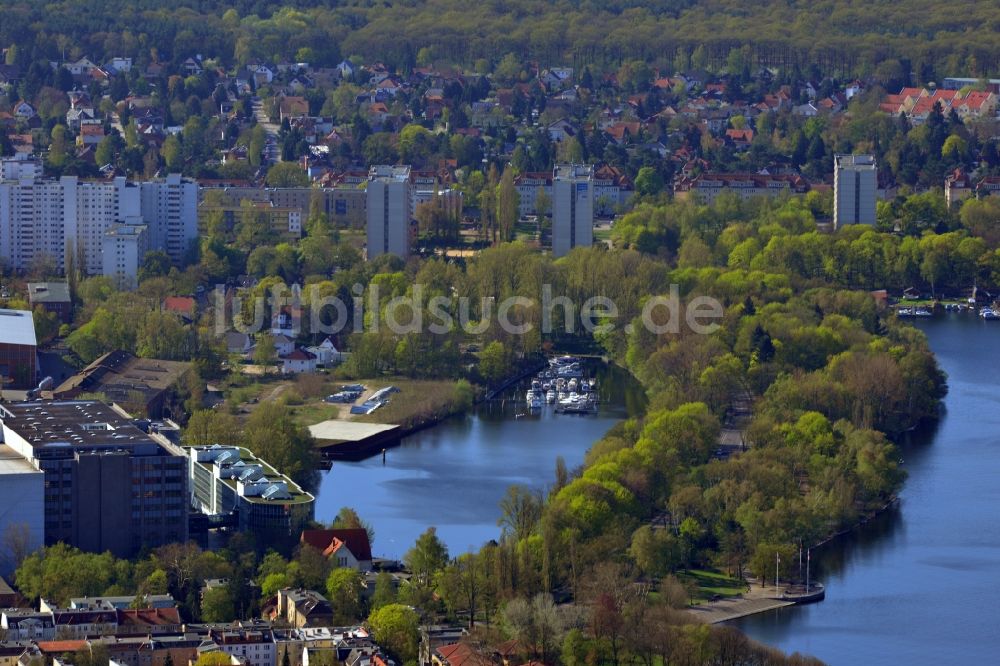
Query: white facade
pixel 99 206
pixel 32 222
pixel 123 248
pixel 855 185
pixel 44 218
pixel 170 208
pixel 20 166
pixel 389 203
pixel 572 207
pixel 22 489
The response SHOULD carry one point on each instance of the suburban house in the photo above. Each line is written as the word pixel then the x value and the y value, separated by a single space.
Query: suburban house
pixel 303 608
pixel 283 345
pixel 238 343
pixel 298 361
pixel 326 353
pixel 350 547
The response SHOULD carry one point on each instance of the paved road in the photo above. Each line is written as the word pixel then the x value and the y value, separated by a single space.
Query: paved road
pixel 272 153
pixel 731 436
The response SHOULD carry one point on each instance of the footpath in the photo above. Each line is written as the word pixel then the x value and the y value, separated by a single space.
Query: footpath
pixel 757 600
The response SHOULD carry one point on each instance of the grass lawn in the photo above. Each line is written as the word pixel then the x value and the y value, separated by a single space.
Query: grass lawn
pixel 711 583
pixel 417 400
pixel 313 412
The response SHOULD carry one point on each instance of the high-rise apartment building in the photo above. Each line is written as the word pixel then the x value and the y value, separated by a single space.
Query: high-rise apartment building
pixel 855 185
pixel 389 212
pixel 123 247
pixel 572 207
pixel 170 208
pixel 42 219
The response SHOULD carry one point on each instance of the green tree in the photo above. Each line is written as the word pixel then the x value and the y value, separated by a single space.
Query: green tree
pixel 264 352
pixel 648 182
pixel 171 152
pixel 217 605
pixel 343 590
pixel 58 148
pixel 385 591
pixel 287 174
pixel 396 627
pixel 428 556
pixel 494 362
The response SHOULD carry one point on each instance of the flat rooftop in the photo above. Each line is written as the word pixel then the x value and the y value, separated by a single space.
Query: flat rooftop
pixel 74 423
pixel 570 171
pixel 298 495
pixel 867 161
pixel 119 373
pixel 13 463
pixel 17 328
pixel 347 431
pixel 48 292
pixel 388 172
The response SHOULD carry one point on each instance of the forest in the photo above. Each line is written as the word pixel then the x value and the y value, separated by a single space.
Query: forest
pixel 843 38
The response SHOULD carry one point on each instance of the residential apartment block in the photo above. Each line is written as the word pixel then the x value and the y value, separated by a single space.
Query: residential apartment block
pixel 122 251
pixel 343 204
pixel 708 186
pixel 572 207
pixel 855 188
pixel 959 186
pixel 43 219
pixel 389 213
pixel 108 484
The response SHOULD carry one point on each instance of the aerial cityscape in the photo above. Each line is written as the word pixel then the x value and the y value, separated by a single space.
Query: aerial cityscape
pixel 509 334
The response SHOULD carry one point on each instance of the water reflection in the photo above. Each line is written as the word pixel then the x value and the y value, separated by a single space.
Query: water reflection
pixel 917 584
pixel 453 475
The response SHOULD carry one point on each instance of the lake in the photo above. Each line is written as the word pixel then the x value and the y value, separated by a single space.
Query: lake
pixel 919 584
pixel 453 475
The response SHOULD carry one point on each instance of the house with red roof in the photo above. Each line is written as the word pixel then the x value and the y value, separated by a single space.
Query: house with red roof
pixel 741 138
pixel 183 306
pixel 298 361
pixel 349 547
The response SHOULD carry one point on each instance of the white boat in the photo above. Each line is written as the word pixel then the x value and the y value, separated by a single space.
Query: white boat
pixel 529 396
pixel 550 397
pixel 573 384
pixel 562 395
pixel 989 314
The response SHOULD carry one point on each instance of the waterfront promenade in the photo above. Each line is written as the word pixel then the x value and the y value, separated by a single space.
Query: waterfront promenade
pixel 756 600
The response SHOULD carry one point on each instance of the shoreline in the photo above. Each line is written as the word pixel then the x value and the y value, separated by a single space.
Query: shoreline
pixel 734 608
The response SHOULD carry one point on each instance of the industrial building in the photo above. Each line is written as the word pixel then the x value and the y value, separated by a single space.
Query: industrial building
pixel 108 484
pixel 18 350
pixel 22 519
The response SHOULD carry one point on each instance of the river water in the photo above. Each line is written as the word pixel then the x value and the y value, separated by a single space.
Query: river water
pixel 452 476
pixel 920 584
